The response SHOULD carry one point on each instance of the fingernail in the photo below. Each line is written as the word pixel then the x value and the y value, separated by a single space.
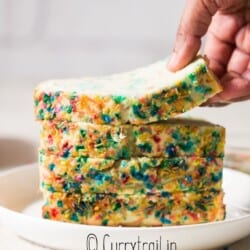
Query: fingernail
pixel 172 61
pixel 218 104
pixel 215 99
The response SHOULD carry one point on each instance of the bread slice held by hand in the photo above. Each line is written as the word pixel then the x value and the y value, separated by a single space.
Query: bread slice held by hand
pixel 141 96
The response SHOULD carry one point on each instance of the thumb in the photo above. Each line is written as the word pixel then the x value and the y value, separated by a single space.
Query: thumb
pixel 194 24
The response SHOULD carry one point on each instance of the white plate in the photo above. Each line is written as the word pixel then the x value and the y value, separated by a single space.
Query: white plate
pixel 20 203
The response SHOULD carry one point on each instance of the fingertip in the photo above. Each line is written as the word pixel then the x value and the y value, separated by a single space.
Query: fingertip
pixel 177 61
pixel 184 52
pixel 214 99
pixel 172 63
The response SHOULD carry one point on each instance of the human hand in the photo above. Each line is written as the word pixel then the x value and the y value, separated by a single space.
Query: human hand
pixel 227 47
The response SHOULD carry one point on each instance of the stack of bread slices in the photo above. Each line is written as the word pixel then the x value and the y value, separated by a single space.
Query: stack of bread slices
pixel 111 152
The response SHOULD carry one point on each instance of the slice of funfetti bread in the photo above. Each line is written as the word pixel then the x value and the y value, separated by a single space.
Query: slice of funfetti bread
pixel 142 96
pixel 133 176
pixel 134 210
pixel 174 137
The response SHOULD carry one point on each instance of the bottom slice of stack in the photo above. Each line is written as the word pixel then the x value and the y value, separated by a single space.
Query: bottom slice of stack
pixel 154 186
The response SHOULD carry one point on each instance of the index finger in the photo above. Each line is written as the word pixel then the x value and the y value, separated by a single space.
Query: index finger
pixel 194 24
